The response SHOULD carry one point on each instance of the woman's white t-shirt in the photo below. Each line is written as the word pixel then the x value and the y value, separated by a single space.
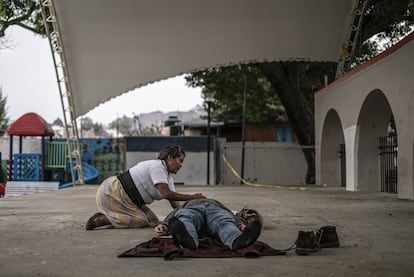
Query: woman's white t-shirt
pixel 147 174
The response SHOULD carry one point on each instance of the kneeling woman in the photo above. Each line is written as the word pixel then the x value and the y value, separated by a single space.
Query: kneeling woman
pixel 122 200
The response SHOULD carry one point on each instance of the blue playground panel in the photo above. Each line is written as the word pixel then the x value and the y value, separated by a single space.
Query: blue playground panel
pixel 27 167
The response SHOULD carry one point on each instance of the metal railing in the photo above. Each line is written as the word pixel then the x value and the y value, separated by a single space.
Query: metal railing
pixel 388 150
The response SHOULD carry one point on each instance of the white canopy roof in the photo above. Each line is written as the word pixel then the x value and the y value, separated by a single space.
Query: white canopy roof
pixel 112 47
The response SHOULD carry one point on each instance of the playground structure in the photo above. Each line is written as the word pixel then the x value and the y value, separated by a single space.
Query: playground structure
pixel 48 170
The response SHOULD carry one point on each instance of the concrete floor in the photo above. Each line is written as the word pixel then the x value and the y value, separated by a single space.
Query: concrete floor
pixel 43 234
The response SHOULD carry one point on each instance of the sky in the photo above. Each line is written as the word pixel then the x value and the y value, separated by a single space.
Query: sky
pixel 28 80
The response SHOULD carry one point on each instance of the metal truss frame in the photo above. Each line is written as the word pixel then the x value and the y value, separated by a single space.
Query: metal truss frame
pixel 348 50
pixel 56 46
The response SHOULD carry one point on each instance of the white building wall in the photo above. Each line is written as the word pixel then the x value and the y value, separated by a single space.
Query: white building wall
pixel 272 163
pixel 269 163
pixel 391 73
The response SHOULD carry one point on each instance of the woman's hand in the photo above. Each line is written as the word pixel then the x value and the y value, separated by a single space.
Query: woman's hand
pixel 161 230
pixel 198 196
pixel 175 196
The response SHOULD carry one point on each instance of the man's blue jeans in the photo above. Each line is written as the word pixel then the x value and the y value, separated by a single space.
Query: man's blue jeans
pixel 206 219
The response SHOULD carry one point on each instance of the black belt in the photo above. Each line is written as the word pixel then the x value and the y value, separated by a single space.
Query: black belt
pixel 130 188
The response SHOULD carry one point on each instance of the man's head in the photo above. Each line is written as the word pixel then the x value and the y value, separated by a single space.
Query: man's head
pixel 248 215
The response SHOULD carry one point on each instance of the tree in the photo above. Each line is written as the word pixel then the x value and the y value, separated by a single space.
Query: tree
pixel 276 91
pixel 4 120
pixel 296 82
pixel 86 123
pixel 58 122
pixel 22 13
pixel 385 19
pixel 228 85
pixel 123 125
pixel 98 129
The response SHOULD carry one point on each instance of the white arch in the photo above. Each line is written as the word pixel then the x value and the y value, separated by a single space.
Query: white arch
pixel 332 168
pixel 373 121
pixel 365 98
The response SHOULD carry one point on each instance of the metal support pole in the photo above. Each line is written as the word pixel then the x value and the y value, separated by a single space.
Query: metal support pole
pixel 208 99
pixel 243 128
pixel 20 144
pixel 208 141
pixel 10 167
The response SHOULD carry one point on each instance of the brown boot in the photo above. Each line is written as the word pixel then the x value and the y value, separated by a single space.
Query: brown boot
pixel 327 237
pixel 306 243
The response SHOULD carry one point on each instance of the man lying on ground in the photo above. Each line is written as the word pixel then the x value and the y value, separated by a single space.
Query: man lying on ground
pixel 201 218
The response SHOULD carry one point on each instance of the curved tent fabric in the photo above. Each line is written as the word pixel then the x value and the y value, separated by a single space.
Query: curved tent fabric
pixel 30 124
pixel 112 47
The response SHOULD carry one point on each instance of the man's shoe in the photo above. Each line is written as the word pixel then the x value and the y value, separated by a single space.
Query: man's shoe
pixel 249 235
pixel 306 243
pixel 327 237
pixel 180 234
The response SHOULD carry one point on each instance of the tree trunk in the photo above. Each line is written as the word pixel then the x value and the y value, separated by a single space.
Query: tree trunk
pixel 295 84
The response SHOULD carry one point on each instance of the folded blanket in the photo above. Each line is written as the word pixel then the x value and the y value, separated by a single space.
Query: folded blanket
pixel 208 248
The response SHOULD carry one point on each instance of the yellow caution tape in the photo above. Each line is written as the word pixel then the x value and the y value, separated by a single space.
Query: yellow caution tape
pixel 257 185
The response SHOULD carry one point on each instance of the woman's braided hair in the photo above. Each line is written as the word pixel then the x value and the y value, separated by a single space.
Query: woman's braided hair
pixel 173 151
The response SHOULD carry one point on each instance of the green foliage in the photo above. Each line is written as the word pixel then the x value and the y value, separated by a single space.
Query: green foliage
pixel 98 129
pixel 23 13
pixel 123 125
pixel 387 20
pixel 154 130
pixel 127 126
pixel 384 23
pixel 263 105
pixel 296 82
pixel 4 120
pixel 58 122
pixel 2 10
pixel 86 123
